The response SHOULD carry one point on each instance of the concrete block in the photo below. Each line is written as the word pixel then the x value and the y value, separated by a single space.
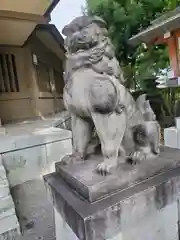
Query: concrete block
pixel 28 141
pixel 25 165
pixel 161 225
pixel 56 151
pixel 7 144
pixel 171 137
pixel 7 212
pixel 6 203
pixel 4 189
pixel 2 173
pixel 8 224
pixel 42 137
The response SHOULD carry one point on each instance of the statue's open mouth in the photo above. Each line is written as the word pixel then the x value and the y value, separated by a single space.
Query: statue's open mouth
pixel 78 46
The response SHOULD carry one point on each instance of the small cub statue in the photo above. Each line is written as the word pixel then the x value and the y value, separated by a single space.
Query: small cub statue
pixel 96 98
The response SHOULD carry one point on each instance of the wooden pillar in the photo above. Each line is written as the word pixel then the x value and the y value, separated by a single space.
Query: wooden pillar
pixel 173 54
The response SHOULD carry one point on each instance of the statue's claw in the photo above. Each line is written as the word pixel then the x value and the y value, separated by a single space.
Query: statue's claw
pixel 137 156
pixel 106 167
pixel 103 168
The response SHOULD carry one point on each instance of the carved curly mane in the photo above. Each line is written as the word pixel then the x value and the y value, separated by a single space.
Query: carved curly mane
pixel 96 52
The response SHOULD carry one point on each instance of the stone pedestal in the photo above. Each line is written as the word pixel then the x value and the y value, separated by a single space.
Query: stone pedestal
pixel 136 202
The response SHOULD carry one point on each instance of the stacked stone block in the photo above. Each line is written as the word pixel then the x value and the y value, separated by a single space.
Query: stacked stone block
pixel 9 227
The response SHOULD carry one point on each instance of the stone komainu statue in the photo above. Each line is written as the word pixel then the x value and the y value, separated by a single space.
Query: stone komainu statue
pixel 95 96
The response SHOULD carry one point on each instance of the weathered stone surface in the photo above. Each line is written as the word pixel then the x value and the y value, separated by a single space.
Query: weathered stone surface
pixel 160 225
pixel 137 207
pixel 25 165
pixel 85 180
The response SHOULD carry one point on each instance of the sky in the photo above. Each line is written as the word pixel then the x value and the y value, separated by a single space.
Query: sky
pixel 65 11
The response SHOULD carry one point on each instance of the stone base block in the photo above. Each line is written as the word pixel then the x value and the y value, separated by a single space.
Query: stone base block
pixel 147 209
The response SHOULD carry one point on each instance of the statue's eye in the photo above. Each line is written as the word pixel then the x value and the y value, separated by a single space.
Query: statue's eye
pixel 140 133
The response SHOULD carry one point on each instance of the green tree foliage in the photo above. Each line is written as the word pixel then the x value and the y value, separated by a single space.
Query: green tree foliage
pixel 126 18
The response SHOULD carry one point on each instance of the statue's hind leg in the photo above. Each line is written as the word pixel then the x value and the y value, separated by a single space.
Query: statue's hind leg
pixel 147 141
pixel 110 129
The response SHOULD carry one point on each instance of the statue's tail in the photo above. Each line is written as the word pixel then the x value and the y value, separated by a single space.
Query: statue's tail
pixel 145 108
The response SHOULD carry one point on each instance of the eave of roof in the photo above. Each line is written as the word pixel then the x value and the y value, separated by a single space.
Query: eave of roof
pixel 156 30
pixel 51 28
pixel 51 8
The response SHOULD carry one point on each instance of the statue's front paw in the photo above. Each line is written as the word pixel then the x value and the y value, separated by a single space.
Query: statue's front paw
pixel 137 156
pixel 106 167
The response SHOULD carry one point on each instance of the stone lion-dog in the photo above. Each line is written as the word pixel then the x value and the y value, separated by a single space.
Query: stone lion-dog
pixel 95 96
